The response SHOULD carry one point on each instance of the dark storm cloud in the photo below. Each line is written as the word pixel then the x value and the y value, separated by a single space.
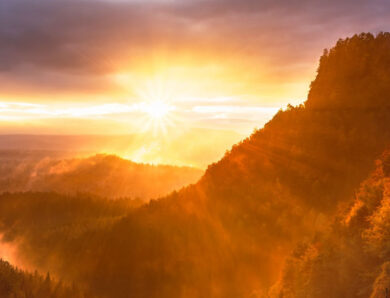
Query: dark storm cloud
pixel 83 40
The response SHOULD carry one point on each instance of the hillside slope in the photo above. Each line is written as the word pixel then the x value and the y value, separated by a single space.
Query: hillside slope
pixel 228 235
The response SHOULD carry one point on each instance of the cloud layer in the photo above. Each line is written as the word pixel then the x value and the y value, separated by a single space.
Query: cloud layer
pixel 73 46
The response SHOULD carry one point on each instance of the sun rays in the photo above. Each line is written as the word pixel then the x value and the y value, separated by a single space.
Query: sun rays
pixel 158 116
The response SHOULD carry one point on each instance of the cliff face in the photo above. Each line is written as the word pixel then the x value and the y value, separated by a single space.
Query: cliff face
pixel 353 75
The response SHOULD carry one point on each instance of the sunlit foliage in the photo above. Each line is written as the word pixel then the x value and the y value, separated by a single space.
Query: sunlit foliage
pixel 352 258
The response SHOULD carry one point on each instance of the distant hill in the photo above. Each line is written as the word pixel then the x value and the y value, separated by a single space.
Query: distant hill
pixel 230 235
pixel 103 175
pixel 195 147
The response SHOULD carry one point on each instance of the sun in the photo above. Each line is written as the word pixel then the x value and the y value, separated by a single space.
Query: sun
pixel 156 103
pixel 157 110
pixel 159 117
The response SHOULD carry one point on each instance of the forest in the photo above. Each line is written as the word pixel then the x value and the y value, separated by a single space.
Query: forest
pixel 18 283
pixel 298 209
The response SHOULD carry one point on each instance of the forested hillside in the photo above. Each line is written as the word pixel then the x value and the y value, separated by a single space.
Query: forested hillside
pixel 229 234
pixel 103 175
pixel 352 258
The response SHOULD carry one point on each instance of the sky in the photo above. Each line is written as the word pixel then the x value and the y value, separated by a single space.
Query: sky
pixel 162 66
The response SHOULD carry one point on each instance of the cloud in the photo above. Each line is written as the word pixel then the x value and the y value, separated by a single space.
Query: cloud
pixel 73 46
pixel 224 109
pixel 21 110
